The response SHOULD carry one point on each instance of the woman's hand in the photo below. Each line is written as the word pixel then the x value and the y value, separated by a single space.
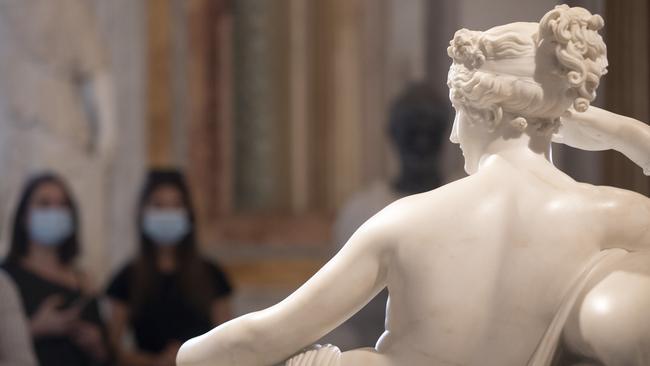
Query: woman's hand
pixel 168 356
pixel 89 337
pixel 50 320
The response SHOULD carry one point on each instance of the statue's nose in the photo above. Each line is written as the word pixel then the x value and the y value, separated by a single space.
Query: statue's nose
pixel 454 133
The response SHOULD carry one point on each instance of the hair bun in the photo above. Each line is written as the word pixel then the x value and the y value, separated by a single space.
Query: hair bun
pixel 465 49
pixel 579 49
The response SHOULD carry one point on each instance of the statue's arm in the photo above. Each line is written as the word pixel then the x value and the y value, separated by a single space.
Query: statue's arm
pixel 598 129
pixel 626 218
pixel 333 294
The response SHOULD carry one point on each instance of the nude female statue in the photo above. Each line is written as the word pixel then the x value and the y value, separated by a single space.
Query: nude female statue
pixel 516 264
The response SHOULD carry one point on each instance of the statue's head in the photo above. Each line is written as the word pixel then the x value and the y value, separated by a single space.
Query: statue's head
pixel 521 77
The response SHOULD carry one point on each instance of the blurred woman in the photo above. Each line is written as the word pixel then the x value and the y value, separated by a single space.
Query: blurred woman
pixel 64 318
pixel 168 294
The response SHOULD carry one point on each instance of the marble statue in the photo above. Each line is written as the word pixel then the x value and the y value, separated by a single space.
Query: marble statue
pixel 516 264
pixel 56 106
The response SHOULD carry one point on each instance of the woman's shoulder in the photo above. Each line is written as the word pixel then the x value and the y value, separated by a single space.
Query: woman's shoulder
pixel 9 268
pixel 19 275
pixel 214 268
pixel 125 270
pixel 218 275
pixel 35 287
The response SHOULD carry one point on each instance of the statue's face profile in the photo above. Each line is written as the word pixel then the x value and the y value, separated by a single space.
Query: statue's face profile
pixel 472 139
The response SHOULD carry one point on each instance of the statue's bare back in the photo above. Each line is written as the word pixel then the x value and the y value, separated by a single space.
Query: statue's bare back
pixel 485 262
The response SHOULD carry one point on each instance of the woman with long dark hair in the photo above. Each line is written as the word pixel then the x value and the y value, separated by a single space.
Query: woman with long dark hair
pixel 168 293
pixel 63 314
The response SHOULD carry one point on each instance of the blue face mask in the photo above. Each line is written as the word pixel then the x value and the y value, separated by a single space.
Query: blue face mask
pixel 165 226
pixel 50 226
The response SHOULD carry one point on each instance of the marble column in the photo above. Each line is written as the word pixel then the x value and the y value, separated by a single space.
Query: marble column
pixel 394 45
pixel 300 104
pixel 368 51
pixel 346 134
pixel 179 84
pixel 376 153
pixel 405 58
pixel 260 106
pixel 321 83
pixel 209 121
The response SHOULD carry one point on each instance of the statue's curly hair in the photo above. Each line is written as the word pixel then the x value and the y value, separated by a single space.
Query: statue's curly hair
pixel 579 49
pixel 567 37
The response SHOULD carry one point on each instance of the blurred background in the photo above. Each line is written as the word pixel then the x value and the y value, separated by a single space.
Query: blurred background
pixel 276 110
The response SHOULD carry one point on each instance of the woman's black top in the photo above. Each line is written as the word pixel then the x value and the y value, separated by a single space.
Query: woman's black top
pixel 54 350
pixel 166 315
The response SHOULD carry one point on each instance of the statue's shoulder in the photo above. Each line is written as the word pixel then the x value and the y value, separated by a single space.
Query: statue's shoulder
pixel 619 195
pixel 429 209
pixel 623 215
pixel 450 193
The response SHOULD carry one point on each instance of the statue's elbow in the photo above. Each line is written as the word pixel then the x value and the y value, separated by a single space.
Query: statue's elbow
pixel 192 353
pixel 225 345
pixel 610 323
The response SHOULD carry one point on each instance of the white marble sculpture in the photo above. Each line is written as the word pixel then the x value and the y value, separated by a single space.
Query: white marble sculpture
pixel 515 265
pixel 56 107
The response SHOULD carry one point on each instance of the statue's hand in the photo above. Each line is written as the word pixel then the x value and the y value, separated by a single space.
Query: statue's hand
pixel 583 131
pixel 597 129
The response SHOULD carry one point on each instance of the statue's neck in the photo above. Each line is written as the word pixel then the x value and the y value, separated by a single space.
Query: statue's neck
pixel 522 150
